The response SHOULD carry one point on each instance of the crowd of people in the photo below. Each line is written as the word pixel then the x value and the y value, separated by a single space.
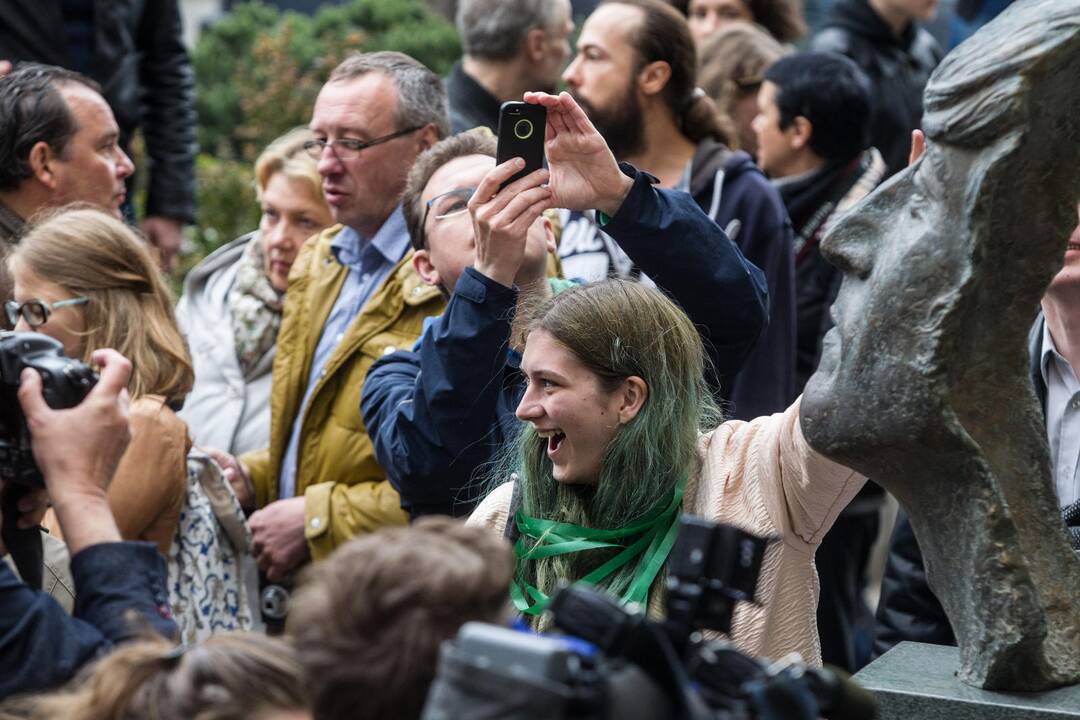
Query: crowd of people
pixel 413 337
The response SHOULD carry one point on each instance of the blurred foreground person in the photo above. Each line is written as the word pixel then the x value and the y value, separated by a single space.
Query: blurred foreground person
pixel 368 622
pixel 236 676
pixel 120 586
pixel 245 282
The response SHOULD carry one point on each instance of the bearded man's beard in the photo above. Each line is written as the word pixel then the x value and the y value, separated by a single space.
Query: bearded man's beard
pixel 620 125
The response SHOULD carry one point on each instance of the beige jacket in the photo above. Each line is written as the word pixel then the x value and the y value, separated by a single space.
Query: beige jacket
pixel 763 477
pixel 147 492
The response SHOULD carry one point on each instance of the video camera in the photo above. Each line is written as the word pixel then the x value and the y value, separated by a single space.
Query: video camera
pixel 615 662
pixel 64 384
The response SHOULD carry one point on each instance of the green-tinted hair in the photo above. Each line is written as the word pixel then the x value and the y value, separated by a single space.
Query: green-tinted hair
pixel 618 329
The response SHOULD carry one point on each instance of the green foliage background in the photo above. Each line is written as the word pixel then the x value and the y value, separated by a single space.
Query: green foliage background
pixel 257 72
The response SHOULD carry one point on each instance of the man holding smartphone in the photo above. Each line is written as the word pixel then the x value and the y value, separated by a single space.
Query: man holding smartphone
pixel 438 414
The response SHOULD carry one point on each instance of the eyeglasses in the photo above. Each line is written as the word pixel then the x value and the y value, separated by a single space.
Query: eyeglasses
pixel 36 312
pixel 449 204
pixel 349 148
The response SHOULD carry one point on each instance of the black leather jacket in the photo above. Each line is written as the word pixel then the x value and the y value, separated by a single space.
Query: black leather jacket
pixel 897 67
pixel 145 73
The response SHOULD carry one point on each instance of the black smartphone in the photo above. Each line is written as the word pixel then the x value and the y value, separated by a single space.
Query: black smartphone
pixel 521 134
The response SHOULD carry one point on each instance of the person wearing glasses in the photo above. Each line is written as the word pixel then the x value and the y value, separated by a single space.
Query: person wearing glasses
pixel 353 297
pixel 232 303
pixel 83 277
pixel 440 414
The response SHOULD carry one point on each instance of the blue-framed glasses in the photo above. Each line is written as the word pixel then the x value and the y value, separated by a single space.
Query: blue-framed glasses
pixel 449 204
pixel 36 312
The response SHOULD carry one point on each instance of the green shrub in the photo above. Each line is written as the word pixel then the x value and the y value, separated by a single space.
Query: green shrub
pixel 257 73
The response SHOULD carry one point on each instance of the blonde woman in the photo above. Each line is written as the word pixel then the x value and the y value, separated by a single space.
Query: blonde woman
pixel 231 307
pixel 84 278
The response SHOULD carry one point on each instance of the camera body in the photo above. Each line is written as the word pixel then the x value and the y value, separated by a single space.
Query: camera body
pixel 616 662
pixel 64 384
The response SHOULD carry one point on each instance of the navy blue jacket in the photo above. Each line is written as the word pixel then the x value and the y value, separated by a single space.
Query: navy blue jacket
pixel 42 647
pixel 734 192
pixel 438 415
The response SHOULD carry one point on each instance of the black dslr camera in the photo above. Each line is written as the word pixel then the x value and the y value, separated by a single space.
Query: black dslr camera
pixel 64 384
pixel 615 662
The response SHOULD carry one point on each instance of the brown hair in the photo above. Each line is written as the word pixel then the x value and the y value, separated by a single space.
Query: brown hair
pixel 367 623
pixel 783 19
pixel 664 36
pixel 733 63
pixel 92 254
pixel 231 676
pixel 478 141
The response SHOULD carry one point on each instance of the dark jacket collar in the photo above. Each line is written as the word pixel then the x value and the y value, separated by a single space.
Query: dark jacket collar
pixel 470 104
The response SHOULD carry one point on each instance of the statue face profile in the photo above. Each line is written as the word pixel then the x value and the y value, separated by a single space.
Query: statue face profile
pixel 923 384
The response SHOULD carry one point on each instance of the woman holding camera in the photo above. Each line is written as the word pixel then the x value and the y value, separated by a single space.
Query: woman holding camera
pixel 84 278
pixel 232 301
pixel 620 435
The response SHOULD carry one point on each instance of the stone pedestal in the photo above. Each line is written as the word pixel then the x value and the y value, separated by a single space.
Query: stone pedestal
pixel 914 681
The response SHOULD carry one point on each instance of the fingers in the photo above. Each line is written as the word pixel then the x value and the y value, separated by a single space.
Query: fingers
pixel 504 197
pixel 5 67
pixel 33 404
pixel 541 98
pixel 576 119
pixel 489 186
pixel 32 507
pixel 115 372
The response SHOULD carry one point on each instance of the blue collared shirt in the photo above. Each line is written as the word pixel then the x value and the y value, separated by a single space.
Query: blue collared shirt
pixel 369 262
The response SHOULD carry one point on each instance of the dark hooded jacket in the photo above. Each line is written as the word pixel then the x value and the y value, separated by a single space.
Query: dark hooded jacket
pixel 898 68
pixel 734 192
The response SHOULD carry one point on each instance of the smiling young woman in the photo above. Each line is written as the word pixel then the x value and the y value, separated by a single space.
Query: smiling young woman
pixel 620 434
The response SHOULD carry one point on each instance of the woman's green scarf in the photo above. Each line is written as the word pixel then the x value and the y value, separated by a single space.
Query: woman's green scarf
pixel 656 530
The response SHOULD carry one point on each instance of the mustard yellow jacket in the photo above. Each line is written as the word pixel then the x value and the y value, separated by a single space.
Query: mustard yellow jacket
pixel 346 491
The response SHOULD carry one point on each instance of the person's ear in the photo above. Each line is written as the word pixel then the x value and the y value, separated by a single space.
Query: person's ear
pixel 536 41
pixel 654 77
pixel 633 392
pixel 421 261
pixel 427 136
pixel 799 133
pixel 549 235
pixel 42 164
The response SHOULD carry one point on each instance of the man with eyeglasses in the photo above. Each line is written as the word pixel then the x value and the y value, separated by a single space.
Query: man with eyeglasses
pixel 439 414
pixel 353 296
pixel 61 145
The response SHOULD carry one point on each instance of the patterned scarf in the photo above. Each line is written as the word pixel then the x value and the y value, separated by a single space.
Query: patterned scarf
pixel 255 308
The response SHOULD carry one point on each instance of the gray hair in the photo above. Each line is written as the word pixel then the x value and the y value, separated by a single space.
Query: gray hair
pixel 421 95
pixel 495 29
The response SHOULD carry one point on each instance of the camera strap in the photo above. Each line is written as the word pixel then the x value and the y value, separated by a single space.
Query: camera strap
pixel 656 533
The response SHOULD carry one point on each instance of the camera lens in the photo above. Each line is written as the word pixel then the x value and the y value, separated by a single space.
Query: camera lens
pixel 523 129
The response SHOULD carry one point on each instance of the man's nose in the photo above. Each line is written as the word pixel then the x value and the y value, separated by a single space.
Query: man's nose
pixel 124 165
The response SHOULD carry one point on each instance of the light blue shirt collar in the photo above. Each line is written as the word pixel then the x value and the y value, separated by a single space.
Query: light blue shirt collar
pixel 391 241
